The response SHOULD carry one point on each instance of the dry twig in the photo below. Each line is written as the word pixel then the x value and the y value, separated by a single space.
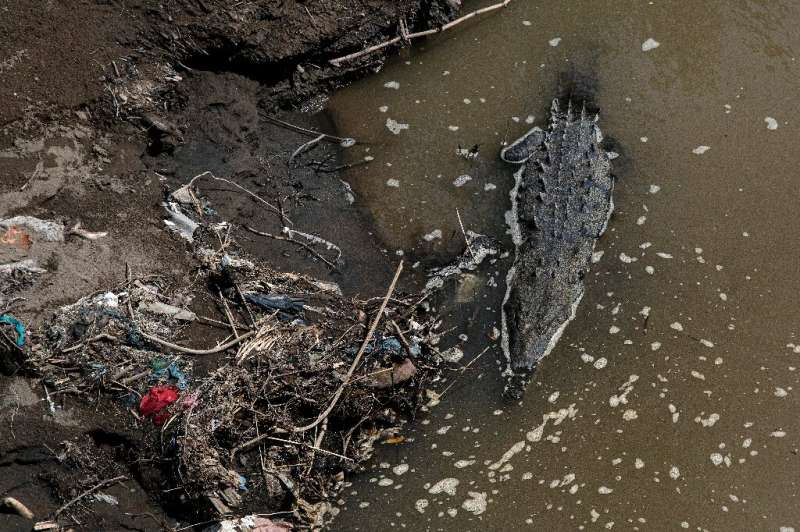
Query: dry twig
pixel 407 37
pixel 357 359
pixel 89 492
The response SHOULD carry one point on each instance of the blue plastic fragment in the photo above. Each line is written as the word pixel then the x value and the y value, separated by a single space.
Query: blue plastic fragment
pixel 18 326
pixel 169 372
pixel 391 344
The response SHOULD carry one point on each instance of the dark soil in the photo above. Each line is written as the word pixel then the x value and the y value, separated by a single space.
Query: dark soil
pixel 107 106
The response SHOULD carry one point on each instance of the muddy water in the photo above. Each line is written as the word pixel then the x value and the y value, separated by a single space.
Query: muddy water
pixel 672 400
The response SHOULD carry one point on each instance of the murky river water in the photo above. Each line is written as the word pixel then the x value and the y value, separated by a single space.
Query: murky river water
pixel 672 401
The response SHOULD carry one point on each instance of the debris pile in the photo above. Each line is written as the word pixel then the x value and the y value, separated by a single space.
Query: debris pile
pixel 298 392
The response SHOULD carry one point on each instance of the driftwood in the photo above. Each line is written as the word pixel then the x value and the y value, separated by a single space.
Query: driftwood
pixel 407 37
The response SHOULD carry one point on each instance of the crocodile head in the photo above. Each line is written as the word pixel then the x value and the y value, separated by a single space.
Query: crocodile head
pixel 524 148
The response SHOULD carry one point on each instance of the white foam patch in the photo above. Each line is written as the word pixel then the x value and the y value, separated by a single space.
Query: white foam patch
pixel 400 469
pixel 462 180
pixel 630 415
pixel 555 41
pixel 650 44
pixel 709 421
pixel 772 124
pixel 508 455
pixel 433 235
pixel 392 85
pixel 700 150
pixel 394 126
pixel 446 485
pixel 476 504
pixel 394 183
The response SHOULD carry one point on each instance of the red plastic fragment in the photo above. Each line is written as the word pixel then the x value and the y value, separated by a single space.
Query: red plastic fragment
pixel 156 400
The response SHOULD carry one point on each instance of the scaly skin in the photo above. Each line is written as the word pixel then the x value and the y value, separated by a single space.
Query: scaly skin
pixel 562 203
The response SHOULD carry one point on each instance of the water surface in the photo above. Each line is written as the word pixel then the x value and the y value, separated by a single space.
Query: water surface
pixel 671 401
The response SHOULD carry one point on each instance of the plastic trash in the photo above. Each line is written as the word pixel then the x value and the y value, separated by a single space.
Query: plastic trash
pixel 18 327
pixel 156 400
pixel 391 346
pixel 44 230
pixel 164 371
pixel 288 307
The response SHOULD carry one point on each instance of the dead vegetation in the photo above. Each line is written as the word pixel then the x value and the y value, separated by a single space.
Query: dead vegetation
pixel 300 381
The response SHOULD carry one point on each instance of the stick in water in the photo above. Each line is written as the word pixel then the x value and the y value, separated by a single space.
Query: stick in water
pixel 410 36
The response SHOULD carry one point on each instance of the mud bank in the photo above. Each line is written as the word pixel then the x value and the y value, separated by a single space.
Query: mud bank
pixel 108 108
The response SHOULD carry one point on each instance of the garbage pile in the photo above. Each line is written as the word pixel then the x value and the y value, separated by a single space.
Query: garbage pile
pixel 297 383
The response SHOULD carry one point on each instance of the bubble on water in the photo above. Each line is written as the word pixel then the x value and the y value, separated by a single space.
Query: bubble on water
pixel 467 101
pixel 650 270
pixel 394 126
pixel 630 415
pixel 526 23
pixel 627 259
pixel 644 139
pixel 600 363
pixel 385 482
pixel 700 150
pixel 453 128
pixel 462 180
pixel 383 108
pixel 654 189
pixel 421 504
pixel 392 85
pixel 555 41
pixel 641 220
pixel 674 473
pixel 716 459
pixel 436 233
pixel 650 44
pixel 710 421
pixel 613 329
pixel 638 463
pixel 400 469
pixel 604 490
pixel 393 183
pixel 489 186
pixel 677 326
pixel 655 346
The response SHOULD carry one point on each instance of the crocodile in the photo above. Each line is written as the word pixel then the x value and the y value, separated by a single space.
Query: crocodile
pixel 561 204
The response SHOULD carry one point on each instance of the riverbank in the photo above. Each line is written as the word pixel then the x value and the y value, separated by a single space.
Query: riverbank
pixel 111 109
